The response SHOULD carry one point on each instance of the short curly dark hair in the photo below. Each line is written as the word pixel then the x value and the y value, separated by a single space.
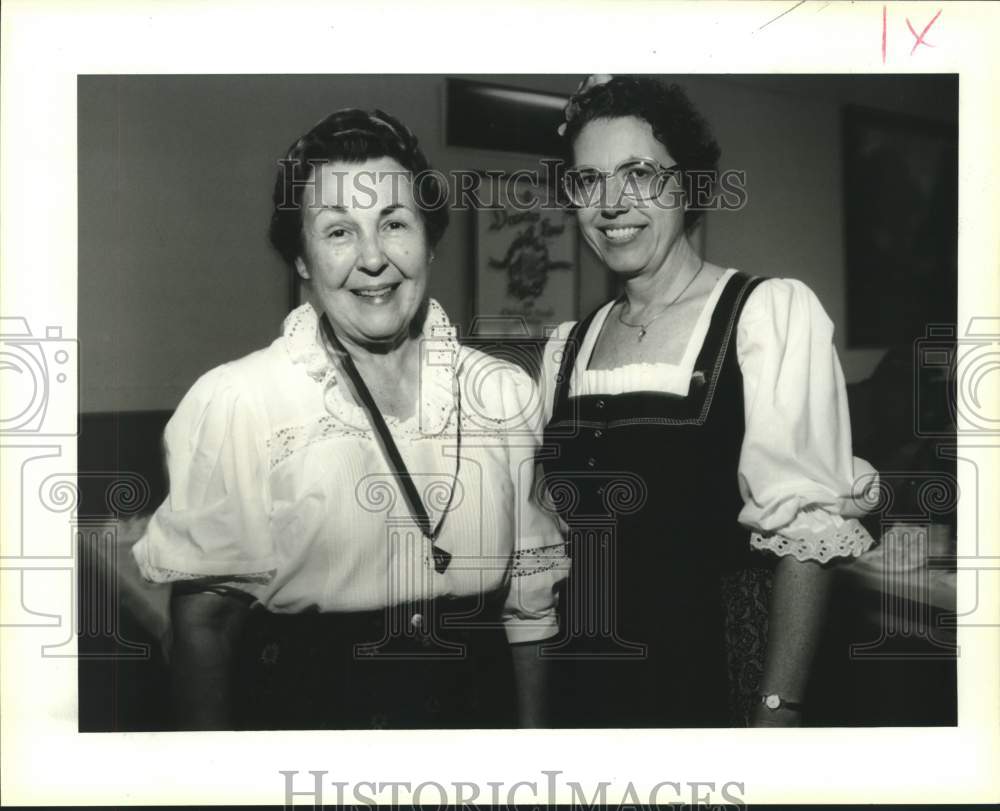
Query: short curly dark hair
pixel 352 135
pixel 675 121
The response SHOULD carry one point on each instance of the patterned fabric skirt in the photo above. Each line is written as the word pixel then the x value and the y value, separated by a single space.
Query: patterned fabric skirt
pixel 746 596
pixel 441 664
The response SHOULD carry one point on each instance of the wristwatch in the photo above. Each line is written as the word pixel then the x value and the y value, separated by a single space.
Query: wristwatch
pixel 773 701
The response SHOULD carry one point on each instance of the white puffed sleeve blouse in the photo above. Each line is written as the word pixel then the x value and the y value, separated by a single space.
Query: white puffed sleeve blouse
pixel 278 485
pixel 803 489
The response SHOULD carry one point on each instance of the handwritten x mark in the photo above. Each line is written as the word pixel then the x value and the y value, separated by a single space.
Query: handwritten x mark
pixel 920 37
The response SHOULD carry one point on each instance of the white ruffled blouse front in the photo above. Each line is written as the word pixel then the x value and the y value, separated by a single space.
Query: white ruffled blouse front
pixel 278 485
pixel 803 489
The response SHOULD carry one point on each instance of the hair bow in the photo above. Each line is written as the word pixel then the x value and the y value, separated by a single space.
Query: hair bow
pixel 572 108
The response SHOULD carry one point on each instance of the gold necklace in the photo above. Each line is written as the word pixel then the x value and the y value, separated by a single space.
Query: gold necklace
pixel 644 327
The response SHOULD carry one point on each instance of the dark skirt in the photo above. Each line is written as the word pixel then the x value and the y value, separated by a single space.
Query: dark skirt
pixel 441 664
pixel 656 660
pixel 676 671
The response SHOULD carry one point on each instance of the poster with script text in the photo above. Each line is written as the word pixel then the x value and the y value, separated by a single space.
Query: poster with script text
pixel 526 260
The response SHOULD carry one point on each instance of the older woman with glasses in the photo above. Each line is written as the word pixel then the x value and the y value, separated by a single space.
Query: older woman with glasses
pixel 697 428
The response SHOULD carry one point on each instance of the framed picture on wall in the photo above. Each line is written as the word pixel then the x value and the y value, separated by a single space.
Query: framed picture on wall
pixel 901 226
pixel 526 258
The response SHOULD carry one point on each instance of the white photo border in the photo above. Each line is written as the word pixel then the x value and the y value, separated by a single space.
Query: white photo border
pixel 47 44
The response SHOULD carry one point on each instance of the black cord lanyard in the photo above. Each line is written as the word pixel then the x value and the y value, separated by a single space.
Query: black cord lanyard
pixel 417 509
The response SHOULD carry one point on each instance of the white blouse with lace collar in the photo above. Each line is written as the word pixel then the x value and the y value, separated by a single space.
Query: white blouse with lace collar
pixel 803 490
pixel 278 484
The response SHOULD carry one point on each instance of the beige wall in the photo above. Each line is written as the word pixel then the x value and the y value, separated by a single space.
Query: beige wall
pixel 176 274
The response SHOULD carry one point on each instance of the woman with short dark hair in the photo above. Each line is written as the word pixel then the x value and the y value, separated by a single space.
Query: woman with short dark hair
pixel 349 530
pixel 700 425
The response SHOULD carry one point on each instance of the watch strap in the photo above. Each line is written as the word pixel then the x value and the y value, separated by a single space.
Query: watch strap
pixel 774 701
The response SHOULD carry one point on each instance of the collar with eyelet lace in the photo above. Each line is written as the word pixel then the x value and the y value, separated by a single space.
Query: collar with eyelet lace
pixel 439 359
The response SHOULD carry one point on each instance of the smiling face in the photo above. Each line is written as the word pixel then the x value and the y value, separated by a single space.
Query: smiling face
pixel 630 237
pixel 365 250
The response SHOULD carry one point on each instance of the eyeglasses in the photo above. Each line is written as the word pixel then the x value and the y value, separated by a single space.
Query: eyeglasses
pixel 638 179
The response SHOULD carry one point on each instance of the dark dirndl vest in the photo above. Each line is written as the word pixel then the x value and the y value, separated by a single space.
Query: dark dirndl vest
pixel 647 482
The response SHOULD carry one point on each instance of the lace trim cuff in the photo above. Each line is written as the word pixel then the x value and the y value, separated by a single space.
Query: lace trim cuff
pixel 539 559
pixel 155 574
pixel 849 539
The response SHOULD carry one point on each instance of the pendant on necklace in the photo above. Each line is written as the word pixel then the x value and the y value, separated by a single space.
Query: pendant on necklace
pixel 642 333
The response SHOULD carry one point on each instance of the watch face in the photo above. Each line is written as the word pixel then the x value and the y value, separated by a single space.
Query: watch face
pixel 772 702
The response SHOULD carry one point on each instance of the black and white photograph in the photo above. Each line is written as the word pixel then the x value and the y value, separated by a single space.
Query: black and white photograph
pixel 630 408
pixel 680 512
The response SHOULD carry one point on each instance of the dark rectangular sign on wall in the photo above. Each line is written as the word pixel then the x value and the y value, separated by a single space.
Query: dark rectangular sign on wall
pixel 506 119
